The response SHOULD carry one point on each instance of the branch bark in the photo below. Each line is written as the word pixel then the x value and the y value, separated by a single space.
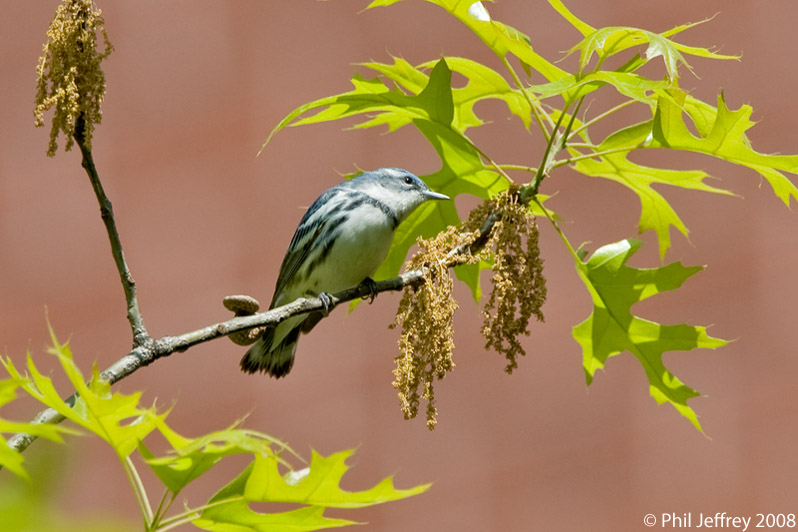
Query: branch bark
pixel 140 334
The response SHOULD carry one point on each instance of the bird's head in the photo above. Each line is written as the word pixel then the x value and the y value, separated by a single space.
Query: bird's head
pixel 399 189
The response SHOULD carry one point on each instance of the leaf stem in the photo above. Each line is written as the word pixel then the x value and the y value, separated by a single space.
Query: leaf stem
pixel 537 109
pixel 530 169
pixel 192 513
pixel 554 145
pixel 138 489
pixel 174 524
pixel 556 226
pixel 570 160
pixel 584 145
pixel 602 116
pixel 163 507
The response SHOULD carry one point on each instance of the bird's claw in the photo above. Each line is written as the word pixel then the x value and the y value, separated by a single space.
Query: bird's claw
pixel 326 301
pixel 371 286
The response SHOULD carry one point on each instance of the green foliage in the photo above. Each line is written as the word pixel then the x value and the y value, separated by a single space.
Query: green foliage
pixel 612 328
pixel 9 458
pixel 124 424
pixel 422 95
pixel 116 418
pixel 317 487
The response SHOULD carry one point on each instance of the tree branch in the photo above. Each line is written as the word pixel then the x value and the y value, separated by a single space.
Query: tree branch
pixel 140 334
pixel 145 354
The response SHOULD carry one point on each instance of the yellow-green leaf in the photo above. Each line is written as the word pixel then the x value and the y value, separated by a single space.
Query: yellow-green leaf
pixel 192 457
pixel 609 41
pixel 318 485
pixel 500 38
pixel 316 488
pixel 114 417
pixel 10 458
pixel 612 328
pixel 655 211
pixel 726 140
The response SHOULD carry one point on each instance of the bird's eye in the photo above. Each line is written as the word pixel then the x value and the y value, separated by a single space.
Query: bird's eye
pixel 408 180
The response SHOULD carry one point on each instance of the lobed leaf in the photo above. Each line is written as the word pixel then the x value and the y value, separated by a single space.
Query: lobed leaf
pixel 316 487
pixel 483 83
pixel 722 134
pixel 655 211
pixel 628 84
pixel 10 458
pixel 606 42
pixel 502 39
pixel 726 139
pixel 114 417
pixel 612 328
pixel 192 457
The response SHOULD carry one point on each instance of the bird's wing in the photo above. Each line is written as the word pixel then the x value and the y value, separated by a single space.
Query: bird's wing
pixel 304 240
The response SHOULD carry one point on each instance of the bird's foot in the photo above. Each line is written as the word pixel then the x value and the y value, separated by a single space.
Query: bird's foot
pixel 371 286
pixel 326 301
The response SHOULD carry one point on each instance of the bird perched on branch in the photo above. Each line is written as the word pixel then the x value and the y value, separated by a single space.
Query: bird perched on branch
pixel 340 242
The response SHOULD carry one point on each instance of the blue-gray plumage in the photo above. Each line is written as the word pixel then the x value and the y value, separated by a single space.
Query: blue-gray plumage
pixel 341 241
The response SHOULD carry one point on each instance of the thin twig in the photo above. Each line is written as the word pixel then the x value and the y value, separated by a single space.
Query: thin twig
pixel 140 334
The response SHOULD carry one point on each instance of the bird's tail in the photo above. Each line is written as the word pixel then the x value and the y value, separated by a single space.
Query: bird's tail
pixel 273 359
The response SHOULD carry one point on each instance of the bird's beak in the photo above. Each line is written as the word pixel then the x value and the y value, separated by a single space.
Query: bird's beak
pixel 434 195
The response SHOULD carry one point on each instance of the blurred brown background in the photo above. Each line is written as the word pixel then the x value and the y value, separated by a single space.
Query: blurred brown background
pixel 193 89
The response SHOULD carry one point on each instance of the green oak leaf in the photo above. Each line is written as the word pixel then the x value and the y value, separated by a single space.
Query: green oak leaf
pixel 114 417
pixel 316 488
pixel 655 211
pixel 229 511
pixel 396 109
pixel 612 328
pixel 483 83
pixel 190 458
pixel 318 485
pixel 10 458
pixel 628 84
pixel 726 140
pixel 500 38
pixel 605 42
pixel 722 134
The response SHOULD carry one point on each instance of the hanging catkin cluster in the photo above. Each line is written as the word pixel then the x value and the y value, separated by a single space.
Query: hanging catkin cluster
pixel 519 287
pixel 426 311
pixel 425 316
pixel 70 79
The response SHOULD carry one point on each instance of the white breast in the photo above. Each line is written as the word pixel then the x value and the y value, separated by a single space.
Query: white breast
pixel 359 249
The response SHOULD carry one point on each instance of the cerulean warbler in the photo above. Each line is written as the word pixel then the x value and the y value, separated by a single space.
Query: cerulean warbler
pixel 341 241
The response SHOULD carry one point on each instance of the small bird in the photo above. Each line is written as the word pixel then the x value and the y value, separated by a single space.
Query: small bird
pixel 340 242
